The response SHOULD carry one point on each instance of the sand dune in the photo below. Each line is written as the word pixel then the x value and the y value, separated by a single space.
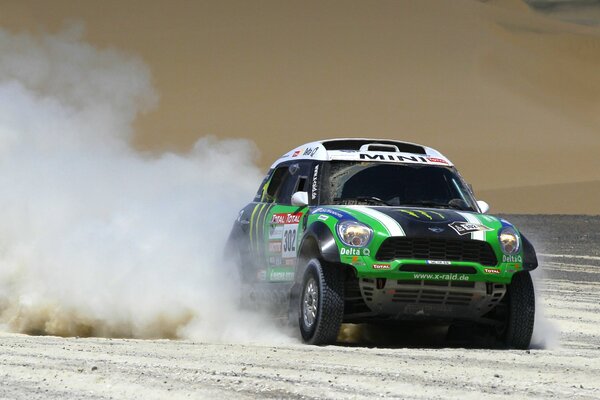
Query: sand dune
pixel 509 93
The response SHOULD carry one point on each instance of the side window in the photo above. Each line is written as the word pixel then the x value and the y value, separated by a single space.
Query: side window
pixel 261 188
pixel 295 180
pixel 275 184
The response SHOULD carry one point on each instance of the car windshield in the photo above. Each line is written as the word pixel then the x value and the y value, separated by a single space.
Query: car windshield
pixel 347 182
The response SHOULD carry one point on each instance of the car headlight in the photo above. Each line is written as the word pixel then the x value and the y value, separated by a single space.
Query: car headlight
pixel 509 240
pixel 354 234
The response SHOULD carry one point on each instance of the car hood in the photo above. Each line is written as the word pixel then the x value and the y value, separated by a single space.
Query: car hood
pixel 428 222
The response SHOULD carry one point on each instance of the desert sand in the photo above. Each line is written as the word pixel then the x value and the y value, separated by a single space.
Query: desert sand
pixel 509 93
pixel 55 368
pixel 568 280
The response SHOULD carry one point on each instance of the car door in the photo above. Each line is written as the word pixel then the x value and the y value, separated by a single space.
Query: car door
pixel 283 223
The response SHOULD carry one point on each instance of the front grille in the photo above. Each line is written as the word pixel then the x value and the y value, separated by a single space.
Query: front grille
pixel 437 249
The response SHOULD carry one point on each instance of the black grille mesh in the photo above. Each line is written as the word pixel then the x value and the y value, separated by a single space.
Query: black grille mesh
pixel 437 249
pixel 457 269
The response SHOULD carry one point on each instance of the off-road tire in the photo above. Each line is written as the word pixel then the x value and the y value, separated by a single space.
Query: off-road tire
pixel 521 312
pixel 330 310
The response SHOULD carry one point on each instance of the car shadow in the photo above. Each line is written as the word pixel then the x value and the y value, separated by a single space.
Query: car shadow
pixel 415 336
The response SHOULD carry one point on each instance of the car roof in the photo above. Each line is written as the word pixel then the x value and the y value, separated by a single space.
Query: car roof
pixel 363 149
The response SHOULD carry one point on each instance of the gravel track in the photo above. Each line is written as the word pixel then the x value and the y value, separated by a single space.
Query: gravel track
pixel 94 368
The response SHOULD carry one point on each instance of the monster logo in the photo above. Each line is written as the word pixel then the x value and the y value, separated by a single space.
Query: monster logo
pixel 424 215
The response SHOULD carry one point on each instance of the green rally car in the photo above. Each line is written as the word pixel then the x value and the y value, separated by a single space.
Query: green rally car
pixel 380 232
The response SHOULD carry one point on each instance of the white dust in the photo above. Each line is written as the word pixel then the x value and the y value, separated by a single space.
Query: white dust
pixel 95 237
pixel 546 334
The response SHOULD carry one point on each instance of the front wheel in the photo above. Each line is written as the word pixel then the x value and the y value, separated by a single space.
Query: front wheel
pixel 521 312
pixel 321 303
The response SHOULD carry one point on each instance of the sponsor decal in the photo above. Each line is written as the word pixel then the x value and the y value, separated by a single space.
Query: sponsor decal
pixel 441 277
pixel 424 215
pixel 494 271
pixel 310 152
pixel 334 213
pixel 381 266
pixel 289 262
pixel 275 247
pixel 313 194
pixel 437 160
pixel 355 261
pixel 436 262
pixel 514 267
pixel 329 211
pixel 354 252
pixel 464 228
pixel 296 153
pixel 394 157
pixel 275 260
pixel 286 218
pixel 275 231
pixel 436 229
pixel 323 217
pixel 281 275
pixel 512 259
pixel 284 226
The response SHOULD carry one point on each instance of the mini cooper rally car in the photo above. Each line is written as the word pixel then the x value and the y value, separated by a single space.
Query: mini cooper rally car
pixel 381 231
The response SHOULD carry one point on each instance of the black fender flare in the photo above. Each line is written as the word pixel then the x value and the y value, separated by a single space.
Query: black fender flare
pixel 530 261
pixel 319 233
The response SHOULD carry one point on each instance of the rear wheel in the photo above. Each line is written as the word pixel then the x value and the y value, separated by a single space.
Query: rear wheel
pixel 321 303
pixel 521 312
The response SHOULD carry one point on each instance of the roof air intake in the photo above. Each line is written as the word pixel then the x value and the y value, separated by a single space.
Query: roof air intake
pixel 380 147
pixel 356 144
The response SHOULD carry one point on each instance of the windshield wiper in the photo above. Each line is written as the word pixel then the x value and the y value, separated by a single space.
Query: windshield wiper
pixel 427 204
pixel 367 199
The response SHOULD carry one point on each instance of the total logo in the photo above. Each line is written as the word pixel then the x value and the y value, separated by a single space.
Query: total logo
pixel 494 271
pixel 286 218
pixel 512 259
pixel 381 266
pixel 354 252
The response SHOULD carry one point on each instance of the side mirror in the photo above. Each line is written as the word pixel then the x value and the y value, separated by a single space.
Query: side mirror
pixel 483 206
pixel 300 199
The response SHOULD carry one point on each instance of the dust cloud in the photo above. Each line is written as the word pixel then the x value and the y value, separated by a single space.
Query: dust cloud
pixel 97 239
pixel 546 334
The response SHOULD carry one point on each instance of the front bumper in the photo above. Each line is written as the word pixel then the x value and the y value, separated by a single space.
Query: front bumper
pixel 427 300
pixel 431 270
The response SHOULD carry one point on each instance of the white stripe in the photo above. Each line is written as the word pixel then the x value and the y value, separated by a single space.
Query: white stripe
pixel 568 256
pixel 392 226
pixel 477 235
